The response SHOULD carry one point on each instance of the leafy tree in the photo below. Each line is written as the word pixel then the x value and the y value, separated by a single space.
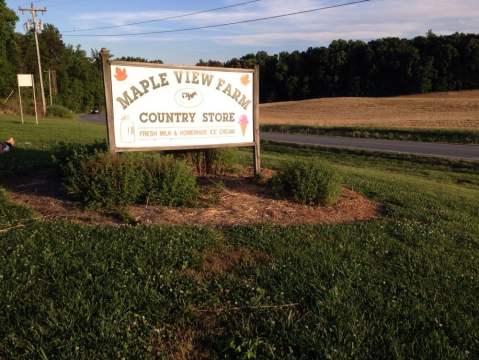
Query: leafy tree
pixel 8 49
pixel 139 59
pixel 210 63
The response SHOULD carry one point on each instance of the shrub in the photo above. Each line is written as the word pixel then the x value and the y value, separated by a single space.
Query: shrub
pixel 97 178
pixel 169 182
pixel 105 180
pixel 59 111
pixel 67 156
pixel 308 182
pixel 212 161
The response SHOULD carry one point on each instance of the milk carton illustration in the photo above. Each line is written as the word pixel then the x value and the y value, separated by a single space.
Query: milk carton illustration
pixel 127 129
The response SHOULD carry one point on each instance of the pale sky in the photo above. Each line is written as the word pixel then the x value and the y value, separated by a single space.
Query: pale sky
pixel 367 21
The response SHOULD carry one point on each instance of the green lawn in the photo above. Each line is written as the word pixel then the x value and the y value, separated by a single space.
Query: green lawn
pixel 404 286
pixel 34 142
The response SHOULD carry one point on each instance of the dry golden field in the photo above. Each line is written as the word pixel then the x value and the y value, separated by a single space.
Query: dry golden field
pixel 448 110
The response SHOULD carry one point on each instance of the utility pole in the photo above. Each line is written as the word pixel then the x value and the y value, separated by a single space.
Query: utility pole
pixel 37 26
pixel 50 86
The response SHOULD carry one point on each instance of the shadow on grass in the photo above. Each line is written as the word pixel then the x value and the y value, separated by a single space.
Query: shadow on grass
pixel 21 161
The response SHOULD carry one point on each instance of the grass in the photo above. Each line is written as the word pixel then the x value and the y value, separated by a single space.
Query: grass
pixel 403 286
pixel 456 136
pixel 10 214
pixel 34 143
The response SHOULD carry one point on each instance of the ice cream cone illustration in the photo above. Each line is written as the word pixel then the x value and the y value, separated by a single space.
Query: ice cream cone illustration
pixel 243 124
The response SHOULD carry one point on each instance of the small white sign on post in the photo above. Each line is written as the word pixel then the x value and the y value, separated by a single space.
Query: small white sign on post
pixel 26 80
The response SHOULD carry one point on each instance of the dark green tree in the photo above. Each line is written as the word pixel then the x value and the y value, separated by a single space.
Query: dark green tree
pixel 8 49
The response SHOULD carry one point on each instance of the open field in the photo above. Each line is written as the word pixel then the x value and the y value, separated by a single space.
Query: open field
pixel 453 110
pixel 404 285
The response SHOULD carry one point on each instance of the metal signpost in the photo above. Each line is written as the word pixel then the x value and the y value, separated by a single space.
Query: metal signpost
pixel 26 80
pixel 155 107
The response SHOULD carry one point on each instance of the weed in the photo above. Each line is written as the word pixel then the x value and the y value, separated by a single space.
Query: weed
pixel 105 180
pixel 212 161
pixel 169 181
pixel 59 112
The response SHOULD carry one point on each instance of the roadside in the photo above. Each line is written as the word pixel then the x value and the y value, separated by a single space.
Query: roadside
pixel 453 136
pixel 421 148
pixel 450 151
pixel 99 118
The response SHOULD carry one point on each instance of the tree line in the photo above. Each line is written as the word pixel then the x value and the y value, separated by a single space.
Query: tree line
pixel 383 67
pixel 78 76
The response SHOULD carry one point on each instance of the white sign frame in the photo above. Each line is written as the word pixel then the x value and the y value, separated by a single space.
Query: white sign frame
pixel 118 107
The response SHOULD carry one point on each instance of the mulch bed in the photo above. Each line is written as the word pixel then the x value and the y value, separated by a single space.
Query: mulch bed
pixel 240 201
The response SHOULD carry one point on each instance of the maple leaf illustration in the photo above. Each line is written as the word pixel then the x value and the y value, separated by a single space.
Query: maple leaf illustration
pixel 245 80
pixel 120 74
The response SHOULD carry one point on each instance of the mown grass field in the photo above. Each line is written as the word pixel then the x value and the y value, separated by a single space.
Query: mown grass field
pixel 451 110
pixel 403 286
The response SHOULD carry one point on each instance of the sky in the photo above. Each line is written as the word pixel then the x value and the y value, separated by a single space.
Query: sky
pixel 366 21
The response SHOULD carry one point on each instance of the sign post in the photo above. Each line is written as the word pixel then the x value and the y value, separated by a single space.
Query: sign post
pixel 20 99
pixel 26 80
pixel 257 141
pixel 156 107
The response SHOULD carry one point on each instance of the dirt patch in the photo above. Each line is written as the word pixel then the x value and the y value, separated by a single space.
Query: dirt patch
pixel 173 342
pixel 178 343
pixel 220 260
pixel 240 201
pixel 44 194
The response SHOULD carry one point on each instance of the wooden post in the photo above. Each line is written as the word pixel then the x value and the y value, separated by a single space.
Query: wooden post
pixel 40 74
pixel 34 99
pixel 50 86
pixel 257 140
pixel 20 99
pixel 105 60
pixel 54 79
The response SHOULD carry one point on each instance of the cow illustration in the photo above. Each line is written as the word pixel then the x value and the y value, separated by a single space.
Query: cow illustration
pixel 189 96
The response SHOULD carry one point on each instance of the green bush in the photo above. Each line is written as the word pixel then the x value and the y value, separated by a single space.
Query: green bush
pixel 105 180
pixel 67 156
pixel 100 179
pixel 59 111
pixel 211 161
pixel 169 181
pixel 308 182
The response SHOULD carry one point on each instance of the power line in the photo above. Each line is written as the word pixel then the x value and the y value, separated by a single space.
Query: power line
pixel 223 24
pixel 166 18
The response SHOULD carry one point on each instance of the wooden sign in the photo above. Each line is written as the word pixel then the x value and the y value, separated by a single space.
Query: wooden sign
pixel 154 107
